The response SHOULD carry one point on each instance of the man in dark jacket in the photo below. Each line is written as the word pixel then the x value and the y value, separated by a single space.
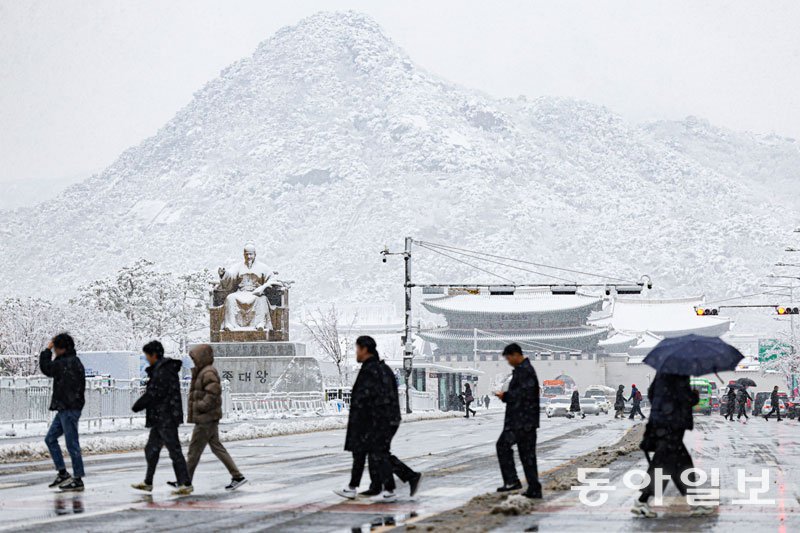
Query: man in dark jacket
pixel 399 468
pixel 69 383
pixel 468 399
pixel 671 399
pixel 731 404
pixel 520 425
pixel 162 400
pixel 636 398
pixel 373 420
pixel 775 401
pixel 619 403
pixel 205 412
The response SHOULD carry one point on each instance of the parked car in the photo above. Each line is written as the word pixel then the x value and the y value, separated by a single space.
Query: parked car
pixel 603 404
pixel 767 407
pixel 723 405
pixel 543 403
pixel 715 402
pixel 758 401
pixel 589 406
pixel 559 406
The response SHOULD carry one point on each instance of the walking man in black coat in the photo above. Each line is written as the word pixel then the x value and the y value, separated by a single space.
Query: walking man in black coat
pixel 399 468
pixel 775 401
pixel 521 423
pixel 69 383
pixel 162 401
pixel 671 399
pixel 373 420
pixel 619 403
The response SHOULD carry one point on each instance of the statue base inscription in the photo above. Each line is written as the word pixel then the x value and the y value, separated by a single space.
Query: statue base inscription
pixel 263 367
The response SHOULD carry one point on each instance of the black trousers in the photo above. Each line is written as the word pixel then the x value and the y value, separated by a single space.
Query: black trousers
pixel 672 457
pixel 742 411
pixel 636 410
pixel 776 410
pixel 161 436
pixel 399 469
pixel 380 469
pixel 468 409
pixel 731 410
pixel 526 445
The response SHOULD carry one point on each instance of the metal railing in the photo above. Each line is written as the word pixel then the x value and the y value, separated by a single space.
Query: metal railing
pixel 276 402
pixel 26 400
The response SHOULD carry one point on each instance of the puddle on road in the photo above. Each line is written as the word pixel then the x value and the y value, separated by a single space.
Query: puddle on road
pixel 384 521
pixel 65 505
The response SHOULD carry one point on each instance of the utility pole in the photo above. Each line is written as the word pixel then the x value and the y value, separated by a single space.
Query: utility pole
pixel 408 351
pixel 408 346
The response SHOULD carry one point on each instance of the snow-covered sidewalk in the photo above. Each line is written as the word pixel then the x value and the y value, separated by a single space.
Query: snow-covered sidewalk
pixel 127 438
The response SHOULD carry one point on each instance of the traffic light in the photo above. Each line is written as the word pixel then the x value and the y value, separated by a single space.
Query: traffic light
pixel 706 311
pixel 786 310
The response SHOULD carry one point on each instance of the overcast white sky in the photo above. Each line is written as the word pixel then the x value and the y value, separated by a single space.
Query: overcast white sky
pixel 81 80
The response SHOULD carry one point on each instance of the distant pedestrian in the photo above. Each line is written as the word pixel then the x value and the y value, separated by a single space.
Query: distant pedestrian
pixel 671 399
pixel 486 401
pixel 636 399
pixel 775 401
pixel 741 404
pixel 164 413
pixel 731 404
pixel 619 403
pixel 575 405
pixel 468 399
pixel 520 424
pixel 371 424
pixel 69 384
pixel 205 412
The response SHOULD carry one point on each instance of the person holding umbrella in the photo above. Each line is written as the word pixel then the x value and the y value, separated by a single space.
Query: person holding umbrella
pixel 672 398
pixel 731 401
pixel 741 404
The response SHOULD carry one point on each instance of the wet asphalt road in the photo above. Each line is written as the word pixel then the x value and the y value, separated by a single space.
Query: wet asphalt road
pixel 291 479
pixel 714 443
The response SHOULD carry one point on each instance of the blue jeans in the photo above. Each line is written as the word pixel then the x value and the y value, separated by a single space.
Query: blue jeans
pixel 65 423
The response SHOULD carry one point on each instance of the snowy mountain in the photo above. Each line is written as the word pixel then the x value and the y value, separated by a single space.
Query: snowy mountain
pixel 329 142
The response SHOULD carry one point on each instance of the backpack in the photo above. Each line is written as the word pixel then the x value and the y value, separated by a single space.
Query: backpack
pixel 638 396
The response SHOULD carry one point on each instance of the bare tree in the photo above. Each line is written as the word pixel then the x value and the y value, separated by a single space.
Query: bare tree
pixel 323 326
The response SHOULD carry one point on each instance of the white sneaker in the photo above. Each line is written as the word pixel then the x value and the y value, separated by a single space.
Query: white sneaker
pixel 701 510
pixel 348 492
pixel 385 497
pixel 643 509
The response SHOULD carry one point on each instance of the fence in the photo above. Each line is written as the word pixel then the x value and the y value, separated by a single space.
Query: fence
pixel 276 402
pixel 26 400
pixel 420 401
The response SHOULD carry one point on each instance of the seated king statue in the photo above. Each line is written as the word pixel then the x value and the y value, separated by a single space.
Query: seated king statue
pixel 246 307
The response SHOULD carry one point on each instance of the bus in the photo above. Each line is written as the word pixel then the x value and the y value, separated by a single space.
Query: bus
pixel 553 387
pixel 703 388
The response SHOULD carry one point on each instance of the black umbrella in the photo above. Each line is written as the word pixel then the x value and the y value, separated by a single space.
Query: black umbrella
pixel 736 386
pixel 693 355
pixel 746 382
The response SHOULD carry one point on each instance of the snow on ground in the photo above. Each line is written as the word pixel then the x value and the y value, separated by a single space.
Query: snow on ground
pixel 291 478
pixel 28 449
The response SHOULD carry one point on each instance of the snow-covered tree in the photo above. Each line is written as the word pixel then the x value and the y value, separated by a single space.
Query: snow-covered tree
pixel 154 304
pixel 323 326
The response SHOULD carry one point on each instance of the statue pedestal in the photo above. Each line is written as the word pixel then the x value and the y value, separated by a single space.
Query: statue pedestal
pixel 263 367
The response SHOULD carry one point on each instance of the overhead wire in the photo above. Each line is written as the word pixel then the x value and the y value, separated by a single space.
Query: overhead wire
pixel 470 255
pixel 541 265
pixel 469 264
